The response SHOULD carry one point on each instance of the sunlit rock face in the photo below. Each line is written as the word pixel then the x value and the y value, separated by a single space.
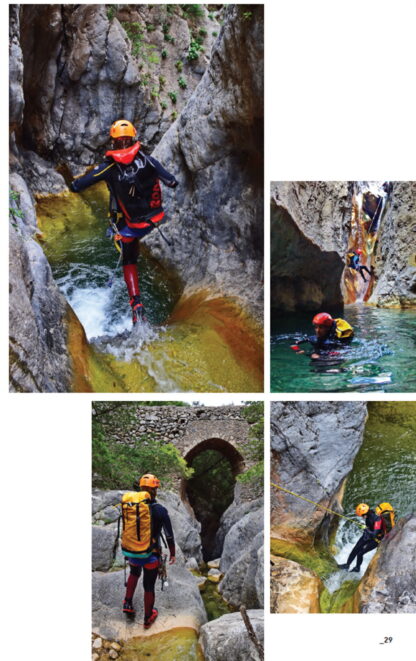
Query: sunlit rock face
pixel 313 449
pixel 395 252
pixel 389 585
pixel 216 150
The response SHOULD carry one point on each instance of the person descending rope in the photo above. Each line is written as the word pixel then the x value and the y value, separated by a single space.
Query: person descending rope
pixel 330 334
pixel 144 521
pixel 135 199
pixel 373 534
pixel 353 262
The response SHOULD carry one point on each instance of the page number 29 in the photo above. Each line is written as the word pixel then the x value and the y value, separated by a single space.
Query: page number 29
pixel 387 639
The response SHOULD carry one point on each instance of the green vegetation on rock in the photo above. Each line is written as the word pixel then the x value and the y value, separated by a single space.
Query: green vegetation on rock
pixel 253 449
pixel 115 465
pixel 336 602
pixel 320 562
pixel 172 645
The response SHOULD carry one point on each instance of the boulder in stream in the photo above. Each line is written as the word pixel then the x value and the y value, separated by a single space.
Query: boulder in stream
pixel 226 637
pixel 293 588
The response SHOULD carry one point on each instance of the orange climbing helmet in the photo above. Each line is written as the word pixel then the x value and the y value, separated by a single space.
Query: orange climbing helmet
pixel 149 480
pixel 361 509
pixel 322 319
pixel 122 128
pixel 359 251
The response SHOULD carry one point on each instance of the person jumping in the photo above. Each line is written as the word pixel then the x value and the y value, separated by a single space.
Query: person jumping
pixel 133 180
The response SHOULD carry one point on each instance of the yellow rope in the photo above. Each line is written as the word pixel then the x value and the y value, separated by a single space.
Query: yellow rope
pixel 317 504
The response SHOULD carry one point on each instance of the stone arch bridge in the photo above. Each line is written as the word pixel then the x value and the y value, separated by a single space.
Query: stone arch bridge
pixel 194 429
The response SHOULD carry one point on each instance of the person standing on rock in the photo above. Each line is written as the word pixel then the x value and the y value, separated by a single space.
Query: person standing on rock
pixel 353 262
pixel 369 540
pixel 330 334
pixel 144 521
pixel 136 208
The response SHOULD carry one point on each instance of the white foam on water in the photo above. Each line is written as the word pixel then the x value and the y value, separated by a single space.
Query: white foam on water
pixel 346 538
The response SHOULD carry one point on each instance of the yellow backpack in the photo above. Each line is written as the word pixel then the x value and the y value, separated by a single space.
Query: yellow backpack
pixel 386 511
pixel 136 514
pixel 343 329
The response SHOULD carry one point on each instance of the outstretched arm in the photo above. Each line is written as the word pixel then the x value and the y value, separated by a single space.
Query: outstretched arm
pixel 167 178
pixel 99 173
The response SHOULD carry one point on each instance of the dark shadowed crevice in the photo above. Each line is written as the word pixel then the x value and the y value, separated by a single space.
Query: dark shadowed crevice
pixel 303 277
pixel 211 489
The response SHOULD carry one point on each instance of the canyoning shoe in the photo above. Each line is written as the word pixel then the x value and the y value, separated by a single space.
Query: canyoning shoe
pixel 356 569
pixel 137 309
pixel 148 621
pixel 128 607
pixel 344 566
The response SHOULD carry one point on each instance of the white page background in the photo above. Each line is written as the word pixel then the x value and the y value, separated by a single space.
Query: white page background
pixel 324 120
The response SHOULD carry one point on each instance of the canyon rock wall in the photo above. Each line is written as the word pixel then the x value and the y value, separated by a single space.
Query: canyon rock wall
pixel 395 263
pixel 389 584
pixel 313 449
pixel 38 313
pixel 310 223
pixel 87 65
pixel 215 150
pixel 75 68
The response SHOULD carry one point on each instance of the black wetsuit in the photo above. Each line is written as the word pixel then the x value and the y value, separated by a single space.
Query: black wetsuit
pixel 135 203
pixel 161 524
pixel 330 343
pixel 136 194
pixel 370 538
pixel 354 263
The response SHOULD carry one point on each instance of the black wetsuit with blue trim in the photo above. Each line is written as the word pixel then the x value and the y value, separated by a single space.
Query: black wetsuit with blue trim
pixel 133 180
pixel 134 183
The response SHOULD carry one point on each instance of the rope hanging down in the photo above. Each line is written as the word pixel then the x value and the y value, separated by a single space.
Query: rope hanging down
pixel 317 505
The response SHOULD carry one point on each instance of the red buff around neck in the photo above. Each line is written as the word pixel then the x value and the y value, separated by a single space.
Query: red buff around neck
pixel 124 156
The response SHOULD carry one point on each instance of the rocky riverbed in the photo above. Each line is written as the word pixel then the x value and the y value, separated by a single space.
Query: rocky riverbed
pixel 236 577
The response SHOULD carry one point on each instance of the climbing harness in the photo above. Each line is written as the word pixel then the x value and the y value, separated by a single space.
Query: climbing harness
pixel 277 486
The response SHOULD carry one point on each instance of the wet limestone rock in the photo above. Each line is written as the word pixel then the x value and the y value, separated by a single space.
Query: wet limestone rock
pixel 243 582
pixel 293 588
pixel 389 584
pixel 395 251
pixel 38 326
pixel 215 150
pixel 16 96
pixel 180 604
pixel 241 562
pixel 309 238
pixel 236 511
pixel 103 543
pixel 84 66
pixel 226 637
pixel 313 449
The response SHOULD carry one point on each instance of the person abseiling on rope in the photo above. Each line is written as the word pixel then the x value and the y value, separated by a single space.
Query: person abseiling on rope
pixel 135 198
pixel 144 522
pixel 353 262
pixel 373 534
pixel 330 334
